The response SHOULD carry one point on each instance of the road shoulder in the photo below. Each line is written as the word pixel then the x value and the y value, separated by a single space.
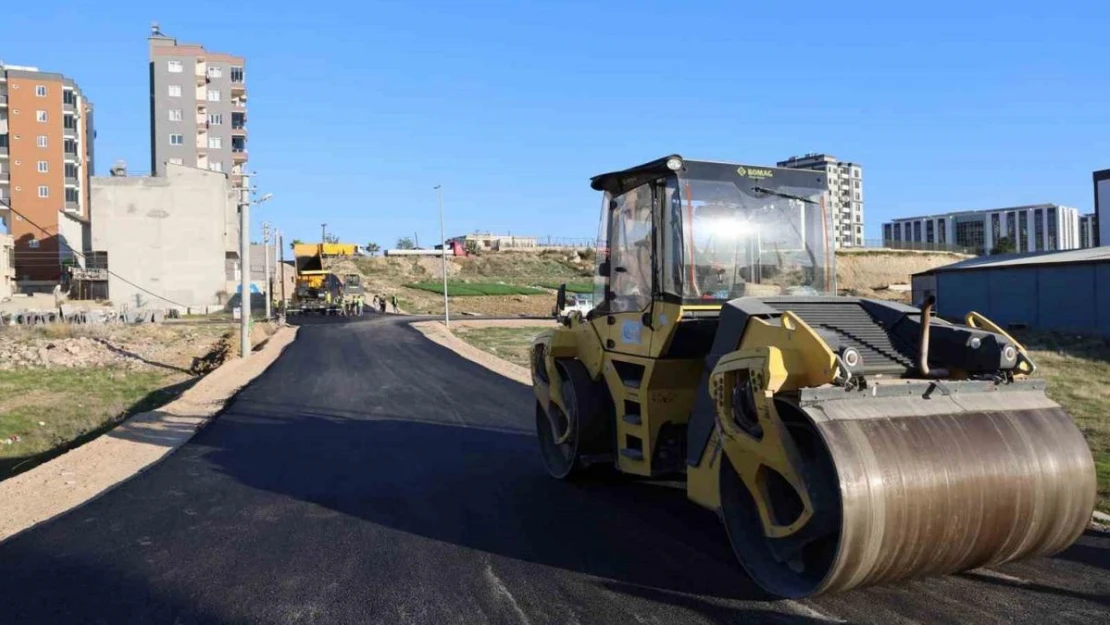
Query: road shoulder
pixel 437 333
pixel 93 469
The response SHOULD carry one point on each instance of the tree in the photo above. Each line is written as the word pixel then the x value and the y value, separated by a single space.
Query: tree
pixel 1004 245
pixel 472 248
pixel 295 243
pixel 405 243
pixel 331 238
pixel 373 249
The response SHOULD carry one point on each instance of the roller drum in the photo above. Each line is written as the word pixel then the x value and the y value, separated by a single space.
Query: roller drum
pixel 929 486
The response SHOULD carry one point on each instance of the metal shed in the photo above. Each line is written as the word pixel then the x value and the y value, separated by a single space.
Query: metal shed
pixel 1065 291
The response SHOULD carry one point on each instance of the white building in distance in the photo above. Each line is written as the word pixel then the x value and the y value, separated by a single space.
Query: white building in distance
pixel 845 194
pixel 1033 228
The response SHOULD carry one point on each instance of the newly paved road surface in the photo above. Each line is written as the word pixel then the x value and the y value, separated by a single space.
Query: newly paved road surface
pixel 371 476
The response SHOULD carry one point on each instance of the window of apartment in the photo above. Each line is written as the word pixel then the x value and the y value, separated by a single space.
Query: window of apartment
pixel 855 172
pixel 238 120
pixel 71 170
pixel 1038 229
pixel 69 122
pixel 33 243
pixel 176 139
pixel 917 231
pixel 216 119
pixel 72 195
pixel 40 91
pixel 929 228
pixel 213 95
pixel 43 167
pixel 175 115
pixel 1023 231
pixel 236 74
pixel 942 232
pixel 41 141
pixel 174 67
pixel 215 71
pixel 44 191
pixel 69 97
pixel 176 161
pixel 216 166
pixel 215 143
pixel 1011 227
pixel 856 183
pixel 40 116
pixel 70 146
pixel 174 91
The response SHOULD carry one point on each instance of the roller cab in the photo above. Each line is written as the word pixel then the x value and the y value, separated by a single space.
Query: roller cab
pixel 844 442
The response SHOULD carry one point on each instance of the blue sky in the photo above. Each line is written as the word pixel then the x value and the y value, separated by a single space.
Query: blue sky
pixel 357 109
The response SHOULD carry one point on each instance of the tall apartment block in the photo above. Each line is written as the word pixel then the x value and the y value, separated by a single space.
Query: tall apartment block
pixel 198 108
pixel 1102 207
pixel 1088 230
pixel 46 160
pixel 845 194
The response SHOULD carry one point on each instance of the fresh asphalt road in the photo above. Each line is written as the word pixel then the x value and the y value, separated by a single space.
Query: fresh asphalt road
pixel 371 476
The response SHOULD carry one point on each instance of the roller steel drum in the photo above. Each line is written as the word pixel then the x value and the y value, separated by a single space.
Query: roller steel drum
pixel 909 486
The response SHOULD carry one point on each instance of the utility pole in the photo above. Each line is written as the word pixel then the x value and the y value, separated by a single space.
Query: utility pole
pixel 443 256
pixel 281 263
pixel 266 255
pixel 245 269
pixel 323 235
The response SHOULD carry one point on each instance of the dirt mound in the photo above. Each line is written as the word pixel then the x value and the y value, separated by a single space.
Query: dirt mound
pixel 873 271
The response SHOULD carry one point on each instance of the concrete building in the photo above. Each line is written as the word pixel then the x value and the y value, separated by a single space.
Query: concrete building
pixel 46 160
pixel 1088 230
pixel 169 240
pixel 1065 291
pixel 845 194
pixel 1102 206
pixel 1033 228
pixel 7 266
pixel 198 108
pixel 495 242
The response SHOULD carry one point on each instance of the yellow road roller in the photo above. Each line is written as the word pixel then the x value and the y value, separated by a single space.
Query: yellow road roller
pixel 844 442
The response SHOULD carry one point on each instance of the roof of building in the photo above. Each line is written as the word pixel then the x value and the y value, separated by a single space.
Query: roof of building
pixel 980 211
pixel 1026 259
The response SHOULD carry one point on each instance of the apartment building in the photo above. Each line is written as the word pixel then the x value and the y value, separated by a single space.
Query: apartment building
pixel 845 182
pixel 1033 228
pixel 46 160
pixel 198 108
pixel 7 268
pixel 1088 230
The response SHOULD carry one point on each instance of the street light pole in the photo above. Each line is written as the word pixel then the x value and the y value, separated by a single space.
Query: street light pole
pixel 266 254
pixel 244 270
pixel 323 234
pixel 443 257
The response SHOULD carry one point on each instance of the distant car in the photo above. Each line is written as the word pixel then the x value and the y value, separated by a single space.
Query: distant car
pixel 581 302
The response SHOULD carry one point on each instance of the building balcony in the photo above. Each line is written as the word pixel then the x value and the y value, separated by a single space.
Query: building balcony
pixel 239 155
pixel 72 182
pixel 239 104
pixel 238 89
pixel 69 107
pixel 239 131
pixel 72 206
pixel 3 100
pixel 5 177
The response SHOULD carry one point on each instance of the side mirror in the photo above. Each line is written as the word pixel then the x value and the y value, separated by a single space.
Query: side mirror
pixel 603 268
pixel 561 298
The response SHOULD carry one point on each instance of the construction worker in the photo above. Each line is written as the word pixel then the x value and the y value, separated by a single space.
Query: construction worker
pixel 382 300
pixel 394 302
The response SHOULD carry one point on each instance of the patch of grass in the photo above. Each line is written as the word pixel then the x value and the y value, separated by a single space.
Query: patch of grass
pixel 470 289
pixel 1076 369
pixel 512 344
pixel 572 287
pixel 48 409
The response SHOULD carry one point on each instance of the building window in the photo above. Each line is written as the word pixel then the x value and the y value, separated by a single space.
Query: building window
pixel 917 231
pixel 69 146
pixel 1053 228
pixel 40 116
pixel 215 143
pixel 43 167
pixel 1023 232
pixel 216 166
pixel 929 225
pixel 69 122
pixel 1011 227
pixel 174 91
pixel 41 141
pixel 71 170
pixel 174 67
pixel 887 234
pixel 215 71
pixel 40 91
pixel 34 243
pixel 177 139
pixel 237 74
pixel 213 95
pixel 970 234
pixel 1038 229
pixel 175 115
pixel 176 161
pixel 996 228
pixel 44 191
pixel 216 119
pixel 72 195
pixel 942 231
pixel 68 97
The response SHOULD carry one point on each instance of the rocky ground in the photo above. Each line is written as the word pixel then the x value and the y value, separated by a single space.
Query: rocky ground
pixel 132 347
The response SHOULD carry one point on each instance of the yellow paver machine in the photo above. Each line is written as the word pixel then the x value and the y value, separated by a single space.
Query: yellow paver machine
pixel 844 442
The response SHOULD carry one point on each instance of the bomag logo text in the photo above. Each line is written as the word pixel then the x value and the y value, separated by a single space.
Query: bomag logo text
pixel 754 172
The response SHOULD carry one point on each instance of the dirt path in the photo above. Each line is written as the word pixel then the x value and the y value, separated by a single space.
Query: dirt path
pixel 91 470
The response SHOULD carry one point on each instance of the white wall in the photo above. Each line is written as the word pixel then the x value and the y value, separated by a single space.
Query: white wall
pixel 168 235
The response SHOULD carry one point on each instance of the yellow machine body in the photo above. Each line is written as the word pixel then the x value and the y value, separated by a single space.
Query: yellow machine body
pixel 844 442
